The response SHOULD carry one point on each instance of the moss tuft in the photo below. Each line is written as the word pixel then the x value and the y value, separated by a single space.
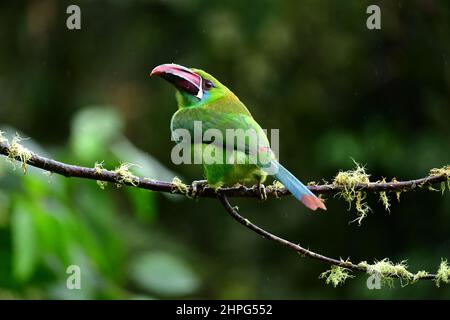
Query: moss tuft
pixel 18 152
pixel 431 188
pixel 179 186
pixel 98 167
pixel 445 170
pixel 443 273
pixel 384 198
pixel 102 184
pixel 362 208
pixel 276 187
pixel 336 275
pixel 125 175
pixel 389 271
pixel 419 275
pixel 349 180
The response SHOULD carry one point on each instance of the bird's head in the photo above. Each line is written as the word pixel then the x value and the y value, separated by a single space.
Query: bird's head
pixel 194 87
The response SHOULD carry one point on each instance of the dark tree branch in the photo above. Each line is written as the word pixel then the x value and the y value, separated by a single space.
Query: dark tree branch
pixel 68 170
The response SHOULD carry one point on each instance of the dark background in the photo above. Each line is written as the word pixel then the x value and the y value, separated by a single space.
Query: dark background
pixel 335 89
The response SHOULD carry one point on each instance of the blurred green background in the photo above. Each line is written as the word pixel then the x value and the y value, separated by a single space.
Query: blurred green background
pixel 335 89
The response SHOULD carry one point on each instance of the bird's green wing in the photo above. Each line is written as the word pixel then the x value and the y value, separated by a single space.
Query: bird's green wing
pixel 199 120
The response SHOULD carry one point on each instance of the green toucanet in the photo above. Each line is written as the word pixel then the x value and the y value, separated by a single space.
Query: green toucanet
pixel 203 100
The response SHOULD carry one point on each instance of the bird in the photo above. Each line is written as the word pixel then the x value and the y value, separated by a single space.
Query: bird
pixel 201 98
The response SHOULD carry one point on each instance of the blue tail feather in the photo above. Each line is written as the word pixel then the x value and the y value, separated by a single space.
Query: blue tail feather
pixel 294 185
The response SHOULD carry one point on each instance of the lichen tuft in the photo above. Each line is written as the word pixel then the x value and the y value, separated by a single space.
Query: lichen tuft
pixel 276 187
pixel 102 184
pixel 349 180
pixel 125 175
pixel 445 170
pixel 98 167
pixel 18 152
pixel 443 273
pixel 419 275
pixel 384 198
pixel 389 271
pixel 336 275
pixel 179 186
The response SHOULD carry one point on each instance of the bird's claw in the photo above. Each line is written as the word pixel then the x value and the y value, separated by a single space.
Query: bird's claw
pixel 195 187
pixel 262 192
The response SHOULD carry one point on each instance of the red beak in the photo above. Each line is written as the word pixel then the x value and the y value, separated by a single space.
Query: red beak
pixel 181 77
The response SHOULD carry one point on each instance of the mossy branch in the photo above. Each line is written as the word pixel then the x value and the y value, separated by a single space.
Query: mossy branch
pixel 15 151
pixel 351 185
pixel 340 269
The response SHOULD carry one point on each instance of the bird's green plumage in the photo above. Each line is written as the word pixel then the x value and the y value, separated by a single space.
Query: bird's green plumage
pixel 220 109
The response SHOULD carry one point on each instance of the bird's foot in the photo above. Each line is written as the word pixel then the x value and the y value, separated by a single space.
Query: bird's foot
pixel 262 192
pixel 197 187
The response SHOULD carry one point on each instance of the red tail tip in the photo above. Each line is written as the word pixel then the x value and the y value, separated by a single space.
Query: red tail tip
pixel 312 202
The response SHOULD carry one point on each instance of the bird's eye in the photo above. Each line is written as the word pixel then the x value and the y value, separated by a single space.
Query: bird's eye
pixel 207 84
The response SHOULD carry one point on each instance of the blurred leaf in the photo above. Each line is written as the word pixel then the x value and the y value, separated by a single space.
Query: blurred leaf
pixel 93 129
pixel 99 225
pixel 4 204
pixel 35 186
pixel 144 204
pixel 24 242
pixel 163 274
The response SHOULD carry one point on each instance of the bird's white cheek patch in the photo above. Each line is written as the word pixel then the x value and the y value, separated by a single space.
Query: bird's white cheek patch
pixel 200 90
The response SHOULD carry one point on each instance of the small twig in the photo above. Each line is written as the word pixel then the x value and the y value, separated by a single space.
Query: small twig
pixel 296 247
